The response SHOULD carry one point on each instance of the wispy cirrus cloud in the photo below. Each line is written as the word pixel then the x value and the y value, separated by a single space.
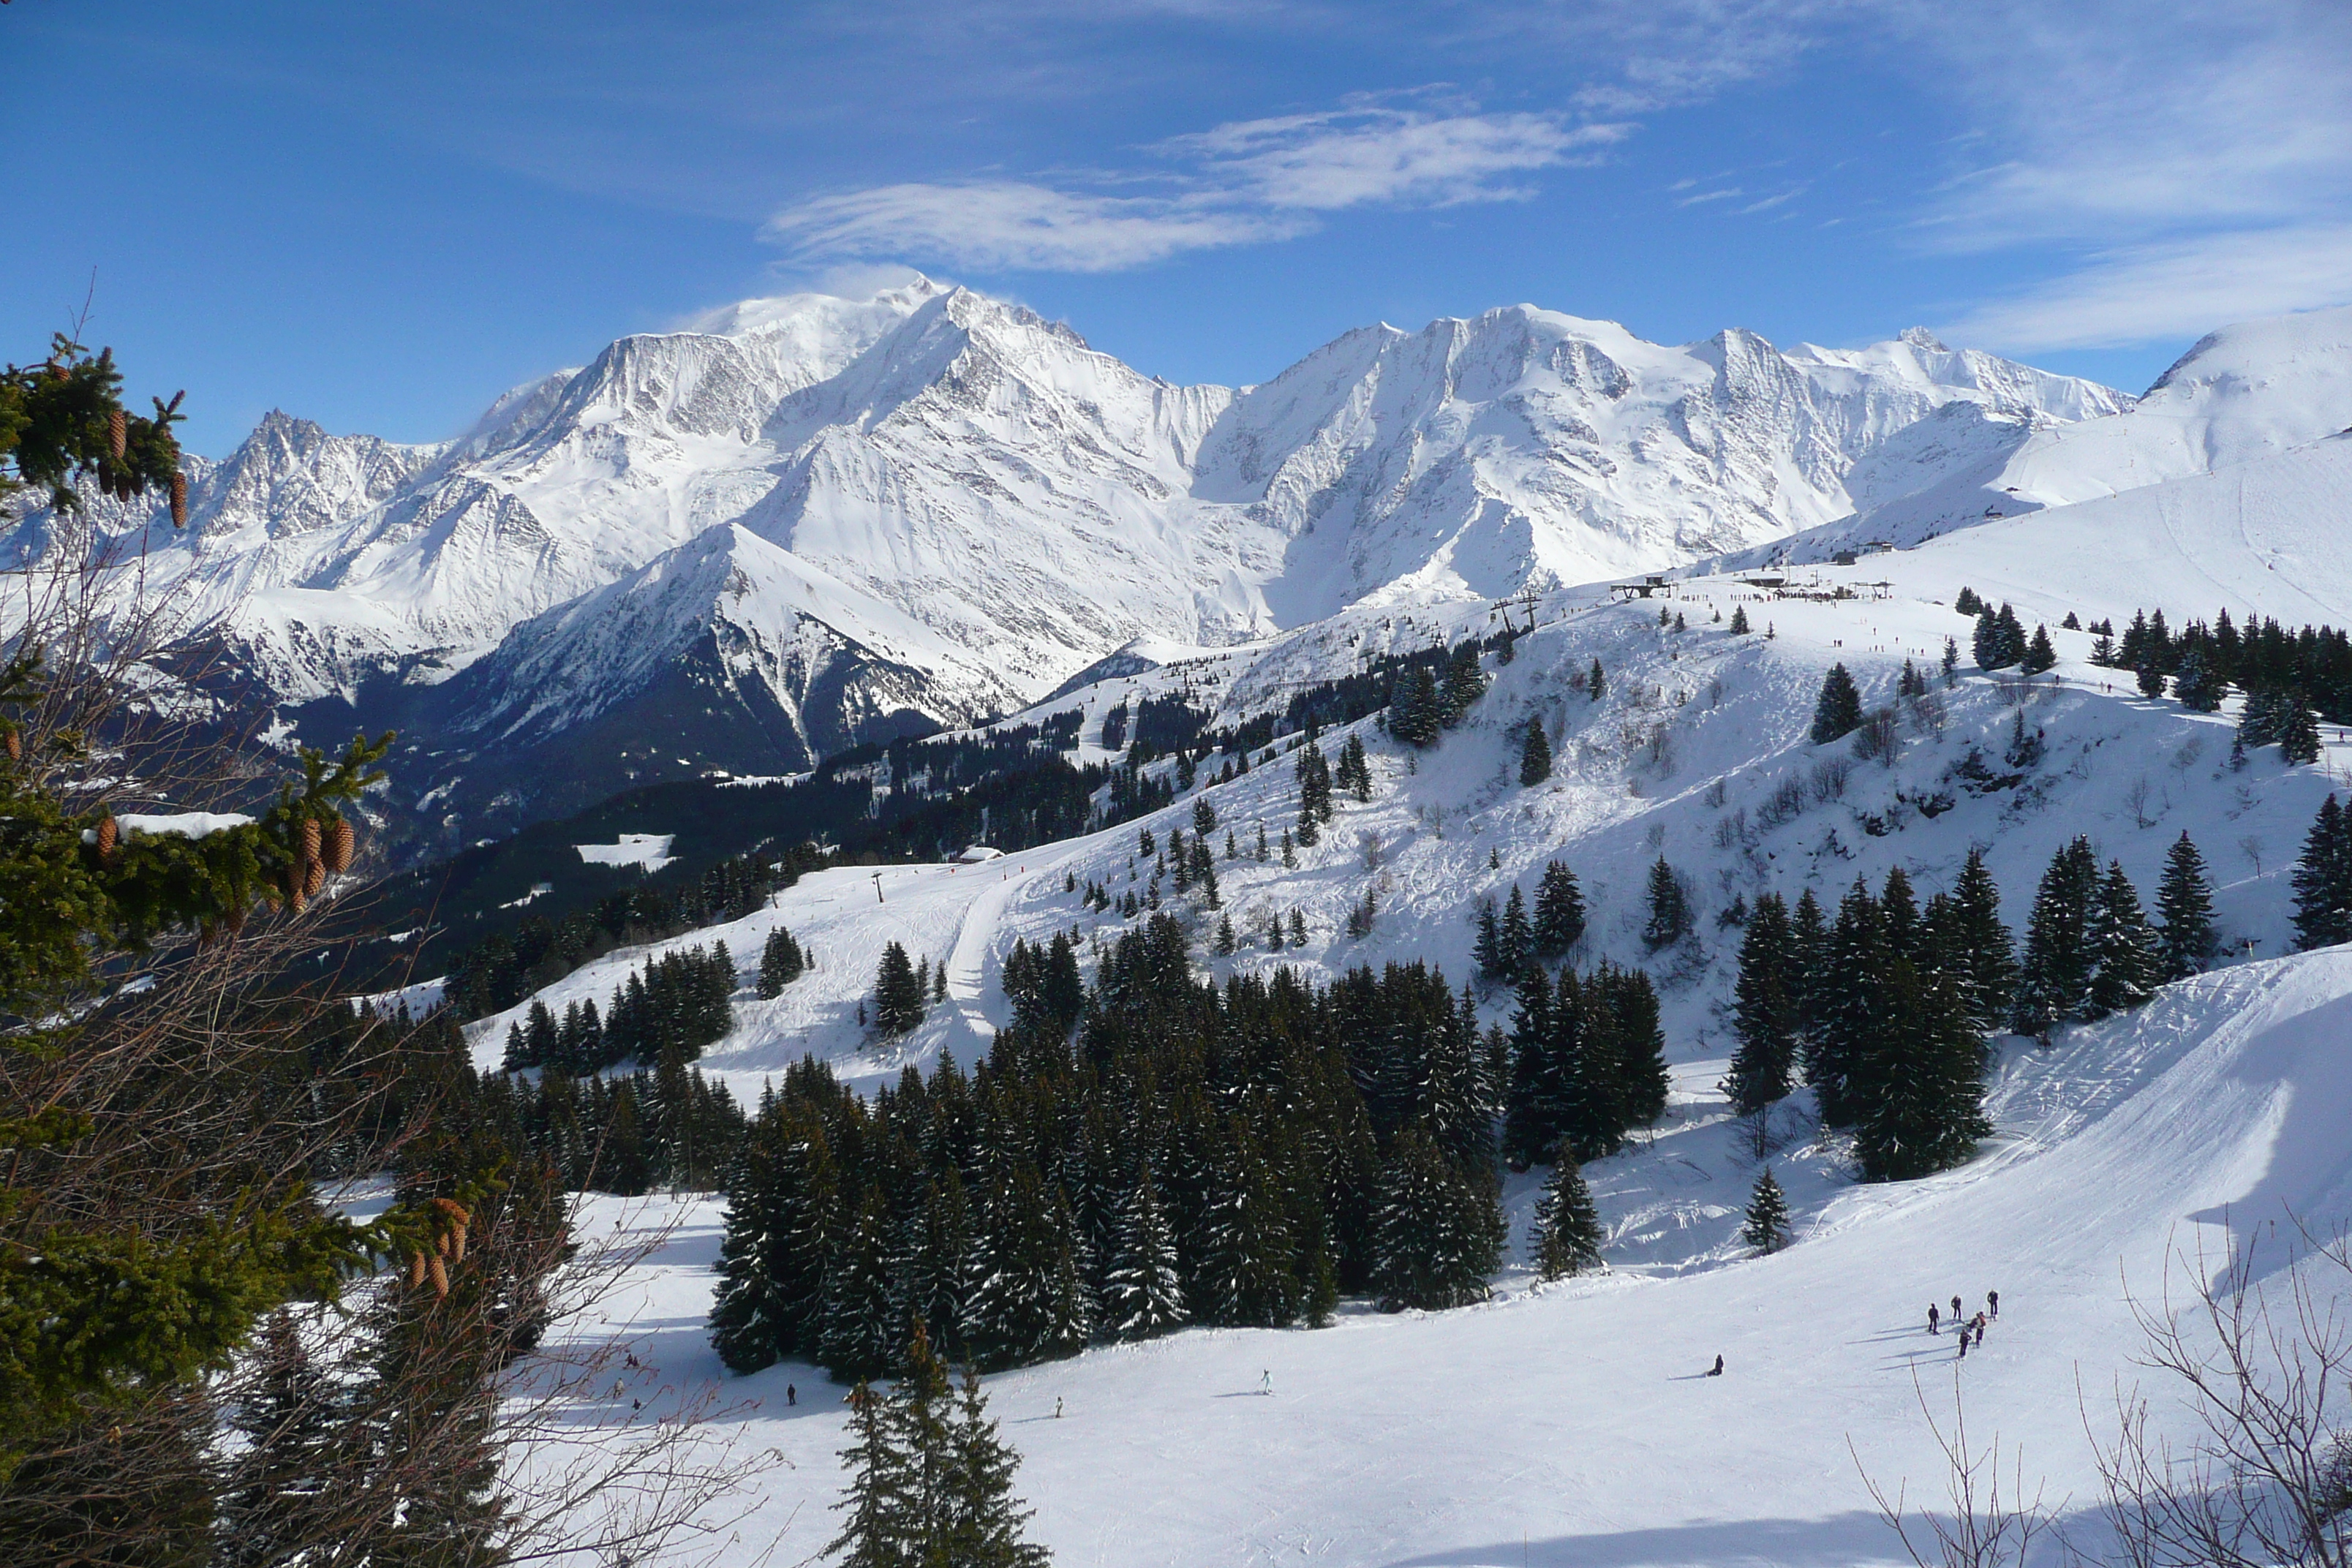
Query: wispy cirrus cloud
pixel 1246 182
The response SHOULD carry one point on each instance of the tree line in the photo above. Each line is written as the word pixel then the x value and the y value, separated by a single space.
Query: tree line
pixel 1151 1151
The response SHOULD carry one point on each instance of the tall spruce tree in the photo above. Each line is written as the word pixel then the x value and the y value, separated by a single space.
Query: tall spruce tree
pixel 2127 965
pixel 2054 978
pixel 1438 1230
pixel 1922 1111
pixel 1517 934
pixel 1988 954
pixel 1670 919
pixel 1534 754
pixel 1764 1013
pixel 898 992
pixel 1568 1234
pixel 1837 711
pixel 1560 911
pixel 2323 881
pixel 1767 1227
pixel 2184 903
pixel 1144 1293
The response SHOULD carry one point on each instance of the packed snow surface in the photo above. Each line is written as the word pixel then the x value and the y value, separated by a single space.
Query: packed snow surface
pixel 1570 1424
pixel 648 850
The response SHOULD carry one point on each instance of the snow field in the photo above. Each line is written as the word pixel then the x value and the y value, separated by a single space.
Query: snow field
pixel 1570 1424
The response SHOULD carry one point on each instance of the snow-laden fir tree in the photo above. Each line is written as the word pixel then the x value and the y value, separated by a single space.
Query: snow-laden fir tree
pixel 1245 1275
pixel 1534 754
pixel 1739 620
pixel 1465 682
pixel 1144 1292
pixel 2039 653
pixel 1764 1013
pixel 2053 982
pixel 1437 1232
pixel 780 963
pixel 1670 919
pixel 1560 911
pixel 898 992
pixel 1919 1104
pixel 1837 711
pixel 2323 879
pixel 2184 904
pixel 771 1255
pixel 1567 1227
pixel 856 1318
pixel 1517 934
pixel 2127 964
pixel 1767 1227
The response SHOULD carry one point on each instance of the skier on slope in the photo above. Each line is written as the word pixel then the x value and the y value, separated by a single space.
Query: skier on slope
pixel 1956 1307
pixel 1932 1314
pixel 1717 1370
pixel 1265 1383
pixel 1993 1303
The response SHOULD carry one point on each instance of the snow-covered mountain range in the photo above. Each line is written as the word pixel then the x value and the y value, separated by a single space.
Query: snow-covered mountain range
pixel 814 521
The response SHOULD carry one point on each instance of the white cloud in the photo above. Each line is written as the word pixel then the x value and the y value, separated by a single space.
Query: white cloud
pixel 1321 162
pixel 2170 290
pixel 1016 225
pixel 1243 182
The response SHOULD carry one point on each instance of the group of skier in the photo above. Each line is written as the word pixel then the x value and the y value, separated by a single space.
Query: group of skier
pixel 1971 1327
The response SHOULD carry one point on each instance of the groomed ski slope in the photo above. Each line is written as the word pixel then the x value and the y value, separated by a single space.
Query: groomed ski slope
pixel 1568 1425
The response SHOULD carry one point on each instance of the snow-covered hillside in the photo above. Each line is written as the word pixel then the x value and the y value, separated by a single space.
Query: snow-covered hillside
pixel 1570 1424
pixel 2240 397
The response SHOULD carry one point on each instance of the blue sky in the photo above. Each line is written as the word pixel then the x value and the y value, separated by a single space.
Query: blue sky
pixel 381 215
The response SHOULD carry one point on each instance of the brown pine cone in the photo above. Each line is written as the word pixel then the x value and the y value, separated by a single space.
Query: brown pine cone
pixel 314 877
pixel 307 837
pixel 440 1275
pixel 110 833
pixel 179 500
pixel 415 1269
pixel 342 842
pixel 118 434
pixel 16 745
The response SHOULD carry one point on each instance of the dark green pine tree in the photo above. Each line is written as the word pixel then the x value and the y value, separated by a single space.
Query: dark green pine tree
pixel 1437 1231
pixel 1922 1111
pixel 2039 655
pixel 1415 712
pixel 1764 1013
pixel 1597 682
pixel 2012 634
pixel 2298 730
pixel 1837 711
pixel 1767 1229
pixel 1639 1057
pixel 1245 1276
pixel 1465 682
pixel 1534 754
pixel 2323 881
pixel 1849 1009
pixel 1560 911
pixel 1487 948
pixel 2126 963
pixel 982 1517
pixel 1568 1234
pixel 1518 937
pixel 2184 903
pixel 899 994
pixel 1669 920
pixel 1739 620
pixel 857 1326
pixel 2197 686
pixel 1144 1292
pixel 937 1271
pixel 1537 1107
pixel 881 1507
pixel 1987 955
pixel 779 1232
pixel 1032 1303
pixel 2053 982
